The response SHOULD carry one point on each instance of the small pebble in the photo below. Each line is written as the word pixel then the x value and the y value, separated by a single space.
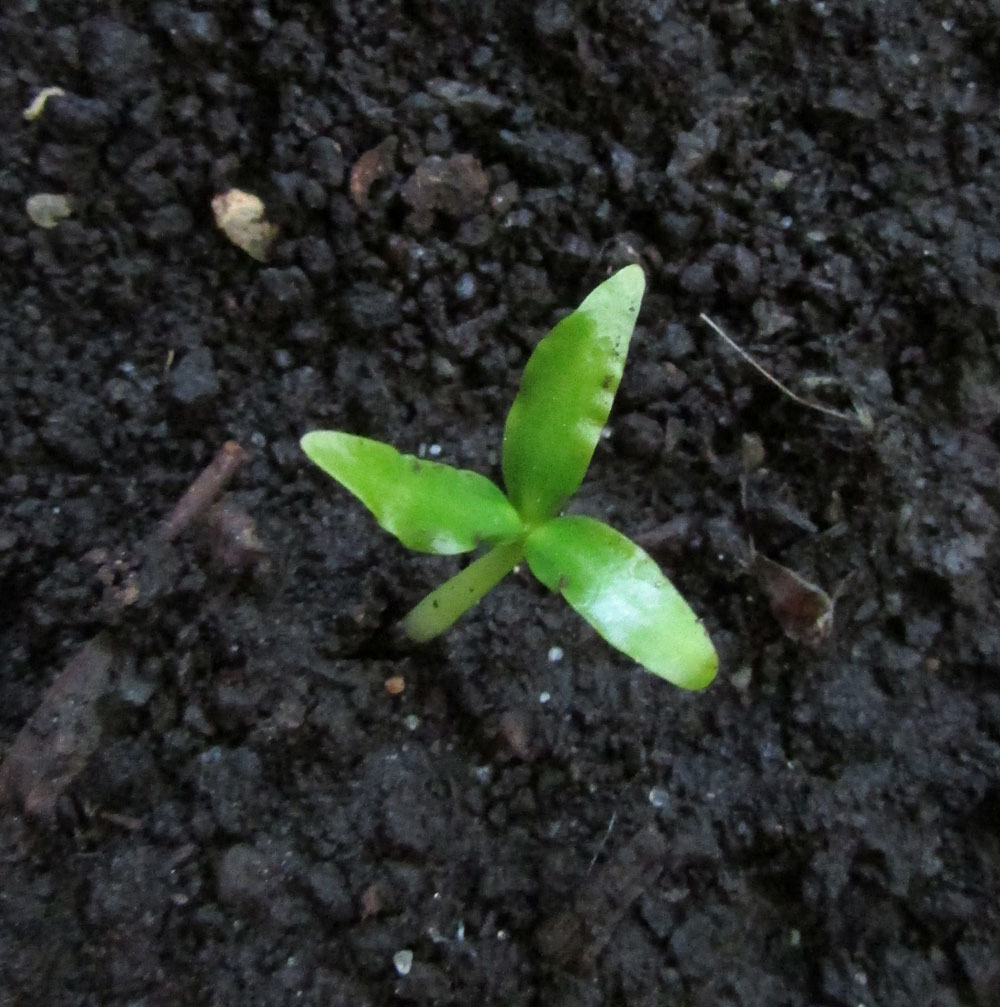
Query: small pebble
pixel 555 654
pixel 741 678
pixel 659 797
pixel 403 960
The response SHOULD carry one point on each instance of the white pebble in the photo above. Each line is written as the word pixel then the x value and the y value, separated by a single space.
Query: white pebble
pixel 659 797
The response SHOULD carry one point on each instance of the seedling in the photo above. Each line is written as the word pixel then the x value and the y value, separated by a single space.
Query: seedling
pixel 566 392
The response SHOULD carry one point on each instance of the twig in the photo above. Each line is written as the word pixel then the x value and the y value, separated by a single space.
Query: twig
pixel 53 747
pixel 807 403
pixel 202 493
pixel 577 935
pixel 603 842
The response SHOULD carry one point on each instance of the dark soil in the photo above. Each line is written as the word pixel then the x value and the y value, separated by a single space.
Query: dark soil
pixel 213 798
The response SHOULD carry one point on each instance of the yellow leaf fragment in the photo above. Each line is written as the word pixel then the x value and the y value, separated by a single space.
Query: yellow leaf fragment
pixel 35 109
pixel 240 216
pixel 46 209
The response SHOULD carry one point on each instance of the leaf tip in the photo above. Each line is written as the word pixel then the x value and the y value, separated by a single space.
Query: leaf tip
pixel 316 444
pixel 633 283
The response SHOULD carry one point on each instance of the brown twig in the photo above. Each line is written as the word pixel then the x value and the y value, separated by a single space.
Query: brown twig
pixel 202 493
pixel 53 747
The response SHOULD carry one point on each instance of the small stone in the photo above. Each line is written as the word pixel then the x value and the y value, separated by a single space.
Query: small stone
pixel 327 884
pixel 112 52
pixel 752 452
pixel 659 797
pixel 465 287
pixel 231 782
pixel 693 149
pixel 623 166
pixel 86 120
pixel 188 30
pixel 456 186
pixel 372 308
pixel 244 878
pixel 741 678
pixel 781 180
pixel 699 279
pixel 639 436
pixel 284 291
pixel 69 165
pixel 554 18
pixel 554 154
pixel 408 823
pixel 770 318
pixel 470 103
pixel 505 197
pixel 326 161
pixel 168 223
pixel 403 961
pixel 193 382
pixel 864 105
pixel 514 730
pixel 679 343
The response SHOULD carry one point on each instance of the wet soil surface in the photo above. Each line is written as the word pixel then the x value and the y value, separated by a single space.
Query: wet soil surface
pixel 211 797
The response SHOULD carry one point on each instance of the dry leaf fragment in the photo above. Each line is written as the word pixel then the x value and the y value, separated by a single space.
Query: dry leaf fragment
pixel 54 745
pixel 46 209
pixel 370 167
pixel 37 106
pixel 804 610
pixel 240 215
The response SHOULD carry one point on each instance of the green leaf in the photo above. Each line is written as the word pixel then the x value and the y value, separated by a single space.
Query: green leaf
pixel 428 506
pixel 566 392
pixel 621 592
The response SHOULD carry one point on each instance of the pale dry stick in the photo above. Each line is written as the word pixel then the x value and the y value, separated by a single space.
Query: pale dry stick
pixel 858 417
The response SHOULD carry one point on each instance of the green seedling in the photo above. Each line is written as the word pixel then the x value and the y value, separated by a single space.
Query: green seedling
pixel 566 393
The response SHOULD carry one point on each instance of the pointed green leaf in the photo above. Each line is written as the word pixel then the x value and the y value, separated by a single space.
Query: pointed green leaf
pixel 621 592
pixel 428 506
pixel 566 392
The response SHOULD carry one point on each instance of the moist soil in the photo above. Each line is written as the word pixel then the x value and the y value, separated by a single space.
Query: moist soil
pixel 212 795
